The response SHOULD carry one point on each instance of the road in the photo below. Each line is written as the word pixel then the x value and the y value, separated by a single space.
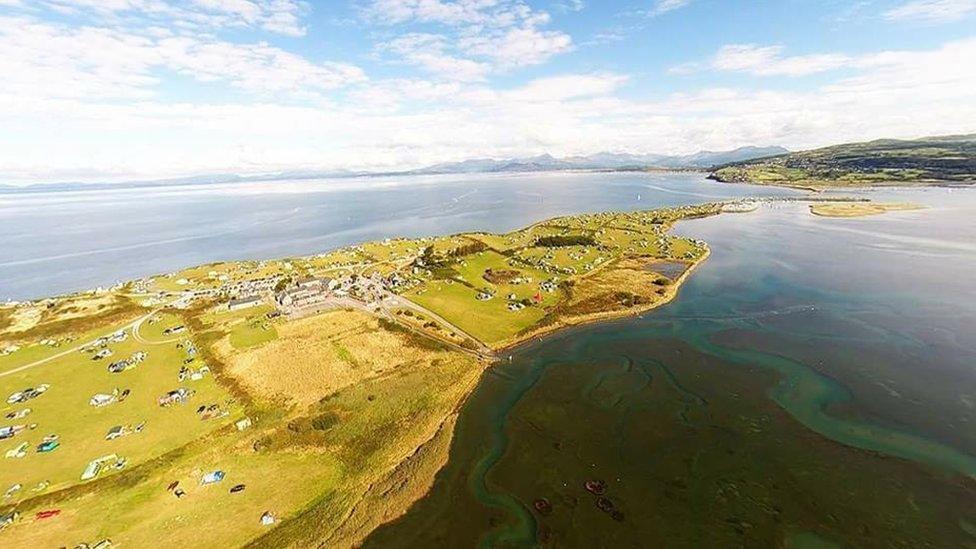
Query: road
pixel 384 307
pixel 134 326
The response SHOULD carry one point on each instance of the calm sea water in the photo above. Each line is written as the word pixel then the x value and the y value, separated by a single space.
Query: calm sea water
pixel 66 241
pixel 814 383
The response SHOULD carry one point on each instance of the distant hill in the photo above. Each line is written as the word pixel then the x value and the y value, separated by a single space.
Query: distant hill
pixel 927 161
pixel 541 163
pixel 601 161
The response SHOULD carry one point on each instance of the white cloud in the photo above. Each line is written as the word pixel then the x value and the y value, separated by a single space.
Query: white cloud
pixel 447 12
pixel 47 60
pixel 768 61
pixel 277 16
pixel 429 51
pixel 664 6
pixel 475 35
pixel 932 11
pixel 572 86
pixel 88 102
pixel 570 5
pixel 889 94
pixel 518 47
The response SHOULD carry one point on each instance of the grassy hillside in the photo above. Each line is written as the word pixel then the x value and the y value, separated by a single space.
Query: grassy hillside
pixel 928 161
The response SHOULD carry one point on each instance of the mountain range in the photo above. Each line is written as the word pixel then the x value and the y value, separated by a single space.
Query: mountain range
pixel 602 161
pixel 545 162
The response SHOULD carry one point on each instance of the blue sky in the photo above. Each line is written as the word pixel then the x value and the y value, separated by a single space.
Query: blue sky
pixel 99 90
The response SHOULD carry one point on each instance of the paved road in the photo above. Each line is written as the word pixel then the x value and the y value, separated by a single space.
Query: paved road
pixel 386 306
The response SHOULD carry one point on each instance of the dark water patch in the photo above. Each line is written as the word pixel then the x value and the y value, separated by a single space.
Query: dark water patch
pixel 669 269
pixel 737 471
pixel 789 397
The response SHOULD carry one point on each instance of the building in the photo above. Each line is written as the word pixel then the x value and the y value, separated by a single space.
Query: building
pixel 244 303
pixel 310 283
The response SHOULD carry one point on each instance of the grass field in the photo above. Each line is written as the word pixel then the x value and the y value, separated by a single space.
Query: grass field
pixel 315 461
pixel 64 410
pixel 489 321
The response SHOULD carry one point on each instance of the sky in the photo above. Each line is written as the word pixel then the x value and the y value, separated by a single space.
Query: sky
pixel 110 90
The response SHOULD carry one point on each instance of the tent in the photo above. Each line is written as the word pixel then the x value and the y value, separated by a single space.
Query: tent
pixel 48 446
pixel 212 477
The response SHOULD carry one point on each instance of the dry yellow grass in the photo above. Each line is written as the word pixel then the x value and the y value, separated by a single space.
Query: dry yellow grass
pixel 24 318
pixel 859 209
pixel 317 356
pixel 624 285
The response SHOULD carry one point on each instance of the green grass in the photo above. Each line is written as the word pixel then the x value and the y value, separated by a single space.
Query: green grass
pixel 882 162
pixel 489 321
pixel 252 333
pixel 64 411
pixel 31 352
pixel 311 469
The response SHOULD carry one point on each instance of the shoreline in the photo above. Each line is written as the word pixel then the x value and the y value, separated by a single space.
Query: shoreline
pixel 119 284
pixel 541 333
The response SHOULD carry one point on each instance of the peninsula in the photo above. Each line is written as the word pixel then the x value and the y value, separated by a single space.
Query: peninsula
pixel 303 399
pixel 297 400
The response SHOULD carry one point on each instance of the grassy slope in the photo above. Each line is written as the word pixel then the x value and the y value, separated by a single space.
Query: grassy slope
pixel 936 160
pixel 301 463
pixel 64 411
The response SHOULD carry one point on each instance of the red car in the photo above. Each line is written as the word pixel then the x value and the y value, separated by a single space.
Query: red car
pixel 48 514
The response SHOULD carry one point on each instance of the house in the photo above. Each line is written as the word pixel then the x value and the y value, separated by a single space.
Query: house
pixel 115 432
pixel 244 303
pixel 313 282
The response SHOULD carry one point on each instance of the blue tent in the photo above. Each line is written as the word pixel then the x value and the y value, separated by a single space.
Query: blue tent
pixel 48 446
pixel 210 478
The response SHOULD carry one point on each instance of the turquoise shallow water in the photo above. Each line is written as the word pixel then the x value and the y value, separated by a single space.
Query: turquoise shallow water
pixel 862 331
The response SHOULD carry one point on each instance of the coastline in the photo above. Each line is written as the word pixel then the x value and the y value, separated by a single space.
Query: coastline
pixel 542 332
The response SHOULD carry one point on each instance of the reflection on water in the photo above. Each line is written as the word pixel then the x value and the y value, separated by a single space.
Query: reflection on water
pixel 65 241
pixel 812 384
